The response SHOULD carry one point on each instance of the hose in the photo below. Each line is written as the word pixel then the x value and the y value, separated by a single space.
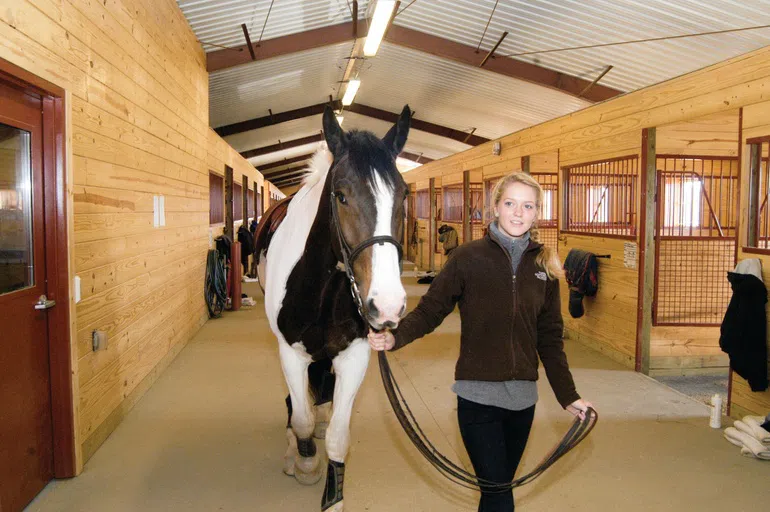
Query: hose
pixel 215 289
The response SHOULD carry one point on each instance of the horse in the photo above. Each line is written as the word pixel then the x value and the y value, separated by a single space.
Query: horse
pixel 330 261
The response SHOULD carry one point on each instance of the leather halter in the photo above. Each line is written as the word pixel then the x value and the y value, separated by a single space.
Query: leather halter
pixel 349 255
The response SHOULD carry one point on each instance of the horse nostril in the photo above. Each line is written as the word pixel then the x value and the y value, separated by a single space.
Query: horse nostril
pixel 388 325
pixel 372 309
pixel 403 310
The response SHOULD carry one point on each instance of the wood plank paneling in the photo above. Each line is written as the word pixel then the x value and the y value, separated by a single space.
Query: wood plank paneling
pixel 609 322
pixel 137 128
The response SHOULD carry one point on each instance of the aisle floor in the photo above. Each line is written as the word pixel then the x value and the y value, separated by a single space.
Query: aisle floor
pixel 209 436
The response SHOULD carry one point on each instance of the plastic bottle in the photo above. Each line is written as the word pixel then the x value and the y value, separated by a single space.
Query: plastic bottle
pixel 716 411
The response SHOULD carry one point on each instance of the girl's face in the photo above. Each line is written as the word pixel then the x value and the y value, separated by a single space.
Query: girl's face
pixel 517 209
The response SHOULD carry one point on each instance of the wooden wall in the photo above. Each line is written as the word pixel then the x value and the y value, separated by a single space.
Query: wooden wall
pixel 137 126
pixel 695 113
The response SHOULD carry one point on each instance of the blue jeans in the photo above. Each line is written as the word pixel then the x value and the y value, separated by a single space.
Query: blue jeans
pixel 495 439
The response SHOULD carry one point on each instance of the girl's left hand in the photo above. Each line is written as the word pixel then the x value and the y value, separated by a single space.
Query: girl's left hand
pixel 579 407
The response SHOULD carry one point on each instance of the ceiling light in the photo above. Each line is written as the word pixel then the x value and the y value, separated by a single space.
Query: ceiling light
pixel 350 92
pixel 382 14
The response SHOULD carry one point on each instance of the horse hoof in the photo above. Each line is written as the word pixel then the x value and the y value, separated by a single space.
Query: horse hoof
pixel 337 507
pixel 308 470
pixel 288 466
pixel 320 430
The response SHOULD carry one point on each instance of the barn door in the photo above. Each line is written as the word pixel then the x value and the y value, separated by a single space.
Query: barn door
pixel 695 238
pixel 26 435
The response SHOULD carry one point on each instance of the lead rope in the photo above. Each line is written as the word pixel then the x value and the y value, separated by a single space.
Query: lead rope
pixel 577 432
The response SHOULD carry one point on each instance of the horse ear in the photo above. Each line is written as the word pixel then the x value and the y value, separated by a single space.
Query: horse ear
pixel 335 137
pixel 395 139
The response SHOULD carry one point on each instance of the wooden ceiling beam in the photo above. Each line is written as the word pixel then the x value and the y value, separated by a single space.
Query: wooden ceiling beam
pixel 290 181
pixel 417 124
pixel 279 46
pixel 419 159
pixel 265 150
pixel 357 108
pixel 507 66
pixel 286 161
pixel 290 171
pixel 273 119
pixel 402 36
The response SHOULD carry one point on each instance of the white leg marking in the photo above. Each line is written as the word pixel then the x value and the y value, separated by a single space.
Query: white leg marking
pixel 290 458
pixel 350 368
pixel 295 360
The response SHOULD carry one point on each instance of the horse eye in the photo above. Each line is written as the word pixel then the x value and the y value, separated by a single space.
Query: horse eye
pixel 341 198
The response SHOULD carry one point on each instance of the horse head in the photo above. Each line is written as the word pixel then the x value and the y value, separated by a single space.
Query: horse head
pixel 367 195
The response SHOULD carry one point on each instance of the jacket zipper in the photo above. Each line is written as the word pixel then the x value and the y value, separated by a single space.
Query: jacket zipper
pixel 513 291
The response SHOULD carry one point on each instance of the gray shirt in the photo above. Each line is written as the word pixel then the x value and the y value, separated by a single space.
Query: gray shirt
pixel 514 395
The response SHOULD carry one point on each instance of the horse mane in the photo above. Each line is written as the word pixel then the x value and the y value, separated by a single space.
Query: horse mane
pixel 318 168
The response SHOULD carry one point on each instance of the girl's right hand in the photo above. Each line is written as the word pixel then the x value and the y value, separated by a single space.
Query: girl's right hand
pixel 381 340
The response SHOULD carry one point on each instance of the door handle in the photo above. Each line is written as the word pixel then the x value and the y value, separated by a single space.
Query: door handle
pixel 44 303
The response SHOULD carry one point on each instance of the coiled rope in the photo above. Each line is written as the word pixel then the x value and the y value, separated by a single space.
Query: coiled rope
pixel 577 432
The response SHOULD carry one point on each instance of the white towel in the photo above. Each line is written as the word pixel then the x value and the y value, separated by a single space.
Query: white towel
pixel 751 447
pixel 755 429
pixel 730 435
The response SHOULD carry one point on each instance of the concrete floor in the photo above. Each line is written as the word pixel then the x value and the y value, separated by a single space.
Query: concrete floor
pixel 209 436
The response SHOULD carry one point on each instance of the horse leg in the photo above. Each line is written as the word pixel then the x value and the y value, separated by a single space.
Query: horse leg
pixel 349 368
pixel 307 467
pixel 322 385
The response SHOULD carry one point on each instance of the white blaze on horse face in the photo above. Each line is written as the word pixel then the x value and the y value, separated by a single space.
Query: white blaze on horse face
pixel 386 292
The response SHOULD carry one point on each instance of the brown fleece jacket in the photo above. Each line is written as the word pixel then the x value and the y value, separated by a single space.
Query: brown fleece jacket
pixel 507 321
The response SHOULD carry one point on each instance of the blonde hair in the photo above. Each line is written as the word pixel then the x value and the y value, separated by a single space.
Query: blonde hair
pixel 547 258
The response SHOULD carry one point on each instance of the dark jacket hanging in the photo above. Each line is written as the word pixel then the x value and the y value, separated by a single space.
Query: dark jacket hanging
pixel 744 329
pixel 582 273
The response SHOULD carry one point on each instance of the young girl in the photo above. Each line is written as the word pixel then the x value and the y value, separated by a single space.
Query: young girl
pixel 507 287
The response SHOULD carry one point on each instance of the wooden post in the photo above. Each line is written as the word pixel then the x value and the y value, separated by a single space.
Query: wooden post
pixel 236 270
pixel 466 206
pixel 245 202
pixel 265 199
pixel 646 265
pixel 229 202
pixel 754 196
pixel 257 206
pixel 525 165
pixel 432 224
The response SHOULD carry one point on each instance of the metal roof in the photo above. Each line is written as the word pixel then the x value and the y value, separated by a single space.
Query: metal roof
pixel 535 25
pixel 462 97
pixel 456 95
pixel 219 21
pixel 285 83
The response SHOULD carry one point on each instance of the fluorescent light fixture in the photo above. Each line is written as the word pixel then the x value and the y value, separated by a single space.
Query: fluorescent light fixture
pixel 382 14
pixel 350 92
pixel 340 119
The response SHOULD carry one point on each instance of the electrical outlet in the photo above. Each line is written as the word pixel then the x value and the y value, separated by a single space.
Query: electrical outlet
pixel 99 340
